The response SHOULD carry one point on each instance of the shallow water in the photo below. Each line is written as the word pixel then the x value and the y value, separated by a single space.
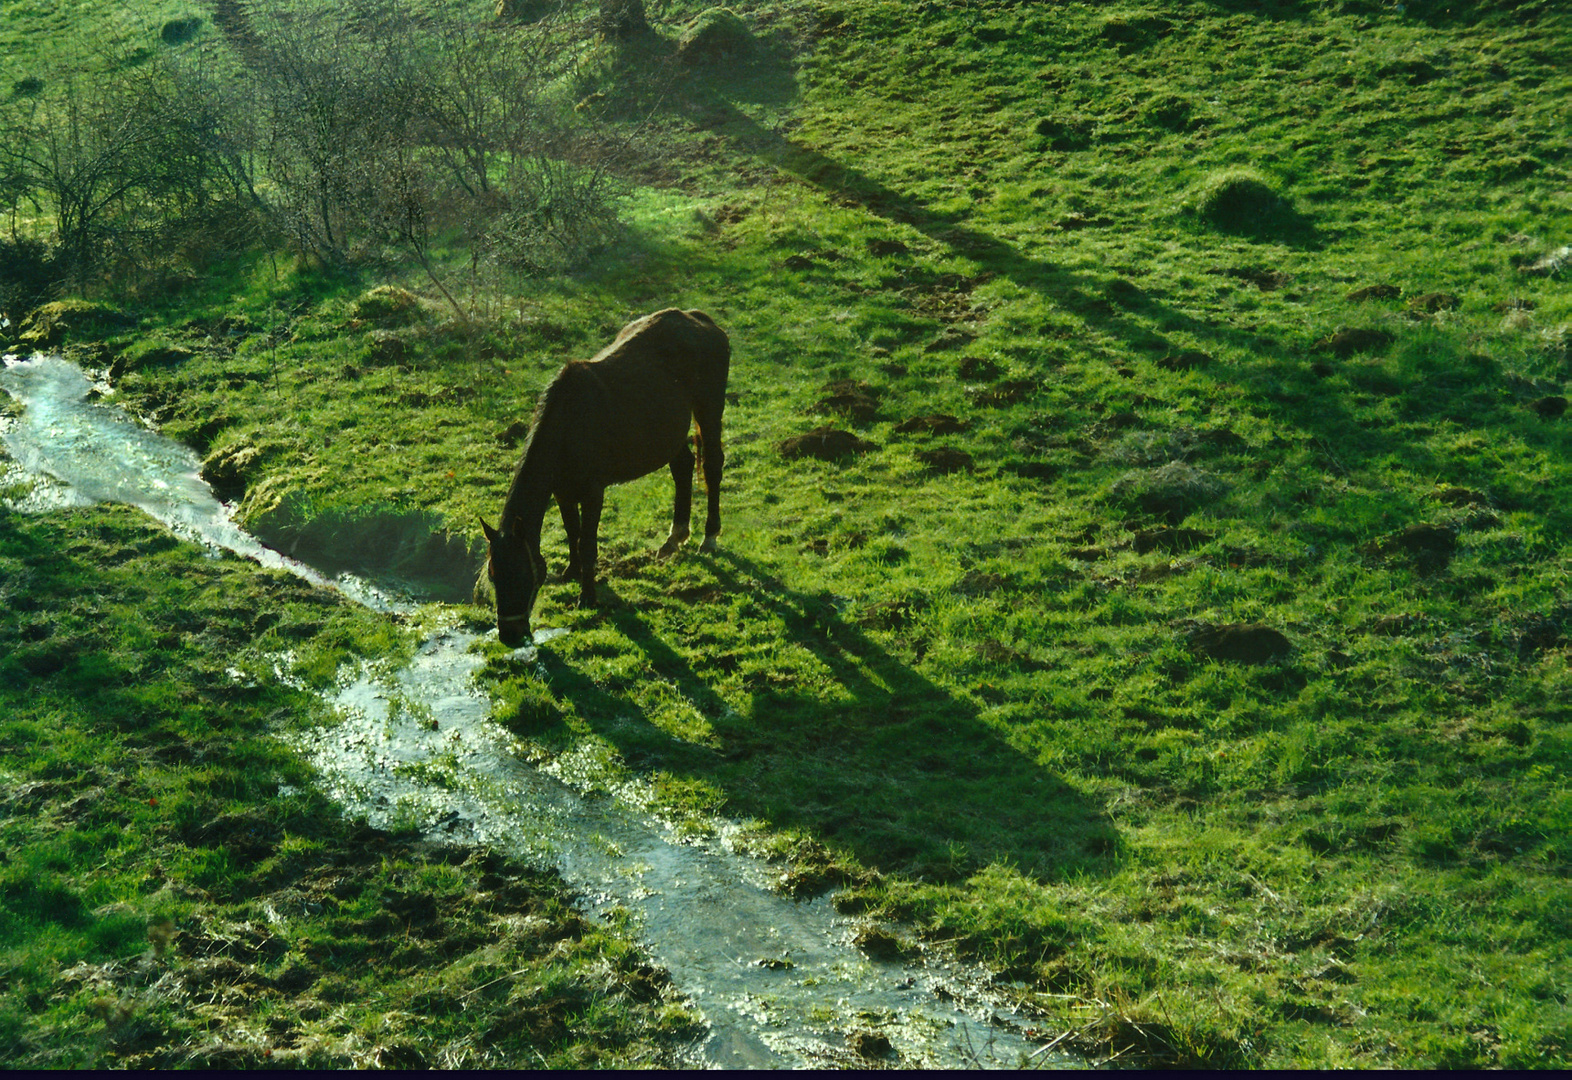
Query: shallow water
pixel 89 452
pixel 778 981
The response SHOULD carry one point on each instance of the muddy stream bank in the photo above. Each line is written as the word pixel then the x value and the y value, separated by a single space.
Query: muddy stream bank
pixel 779 982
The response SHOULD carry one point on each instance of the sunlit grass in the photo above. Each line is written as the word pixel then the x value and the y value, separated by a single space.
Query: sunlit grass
pixel 970 696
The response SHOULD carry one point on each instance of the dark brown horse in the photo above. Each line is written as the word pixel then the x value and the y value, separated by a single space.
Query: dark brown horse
pixel 606 421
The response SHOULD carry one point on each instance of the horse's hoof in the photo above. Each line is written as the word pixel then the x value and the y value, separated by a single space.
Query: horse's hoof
pixel 669 548
pixel 708 545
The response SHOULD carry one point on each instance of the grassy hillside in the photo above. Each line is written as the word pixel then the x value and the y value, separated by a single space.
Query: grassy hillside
pixel 1184 632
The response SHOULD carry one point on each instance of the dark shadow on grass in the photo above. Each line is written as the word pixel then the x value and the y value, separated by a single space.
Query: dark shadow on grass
pixel 1451 14
pixel 874 757
pixel 1076 291
pixel 1281 374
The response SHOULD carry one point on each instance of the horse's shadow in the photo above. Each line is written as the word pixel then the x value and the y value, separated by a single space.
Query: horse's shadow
pixel 873 757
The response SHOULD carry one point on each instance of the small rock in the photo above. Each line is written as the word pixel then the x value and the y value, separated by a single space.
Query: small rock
pixel 1549 265
pixel 870 1044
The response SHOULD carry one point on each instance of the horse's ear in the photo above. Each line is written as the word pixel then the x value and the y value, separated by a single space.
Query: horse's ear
pixel 491 534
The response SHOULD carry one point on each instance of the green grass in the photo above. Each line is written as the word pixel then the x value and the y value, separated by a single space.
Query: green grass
pixel 971 698
pixel 174 892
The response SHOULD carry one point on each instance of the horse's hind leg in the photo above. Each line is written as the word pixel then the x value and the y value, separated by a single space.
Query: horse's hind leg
pixel 709 420
pixel 682 501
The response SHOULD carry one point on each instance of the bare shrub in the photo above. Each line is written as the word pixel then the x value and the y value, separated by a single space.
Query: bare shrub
pixel 129 164
pixel 383 131
pixel 367 132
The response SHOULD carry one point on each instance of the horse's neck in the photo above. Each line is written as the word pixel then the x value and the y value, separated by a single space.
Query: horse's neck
pixel 533 483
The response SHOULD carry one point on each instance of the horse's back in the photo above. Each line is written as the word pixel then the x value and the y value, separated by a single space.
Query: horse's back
pixel 686 344
pixel 629 409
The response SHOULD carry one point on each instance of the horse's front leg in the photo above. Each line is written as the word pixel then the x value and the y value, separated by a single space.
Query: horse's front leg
pixel 568 505
pixel 588 546
pixel 682 501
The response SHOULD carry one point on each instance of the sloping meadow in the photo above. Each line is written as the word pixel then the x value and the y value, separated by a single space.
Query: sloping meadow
pixel 1146 509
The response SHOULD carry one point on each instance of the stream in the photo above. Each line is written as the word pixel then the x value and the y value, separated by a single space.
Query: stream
pixel 778 981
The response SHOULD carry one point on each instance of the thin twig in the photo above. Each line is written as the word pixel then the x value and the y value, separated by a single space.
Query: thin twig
pixel 493 982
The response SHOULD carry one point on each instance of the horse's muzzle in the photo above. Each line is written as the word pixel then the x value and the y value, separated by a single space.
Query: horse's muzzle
pixel 513 630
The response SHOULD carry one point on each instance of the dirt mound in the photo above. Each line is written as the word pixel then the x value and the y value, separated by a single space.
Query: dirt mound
pixel 1431 303
pixel 933 424
pixel 1005 393
pixel 850 398
pixel 947 459
pixel 1382 291
pixel 1347 341
pixel 826 444
pixel 1245 643
pixel 61 320
pixel 978 369
pixel 1185 361
pixel 716 35
pixel 1168 539
pixel 1429 546
pixel 1170 492
pixel 1264 279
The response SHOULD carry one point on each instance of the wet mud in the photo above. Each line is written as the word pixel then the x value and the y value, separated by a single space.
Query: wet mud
pixel 780 982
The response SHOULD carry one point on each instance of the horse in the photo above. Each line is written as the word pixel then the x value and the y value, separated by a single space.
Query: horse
pixel 614 418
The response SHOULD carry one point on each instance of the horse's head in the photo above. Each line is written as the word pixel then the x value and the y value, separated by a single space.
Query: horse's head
pixel 516 573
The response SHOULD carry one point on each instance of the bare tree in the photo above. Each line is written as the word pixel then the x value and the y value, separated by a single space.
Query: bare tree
pixel 379 124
